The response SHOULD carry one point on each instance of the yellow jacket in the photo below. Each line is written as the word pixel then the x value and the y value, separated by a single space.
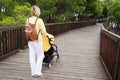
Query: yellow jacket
pixel 46 42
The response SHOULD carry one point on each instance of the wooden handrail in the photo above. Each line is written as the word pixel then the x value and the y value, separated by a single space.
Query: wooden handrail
pixel 110 52
pixel 12 39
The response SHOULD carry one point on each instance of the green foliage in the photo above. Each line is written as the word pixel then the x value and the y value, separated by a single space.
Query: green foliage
pixel 59 18
pixel 7 5
pixel 51 10
pixel 93 9
pixel 114 14
pixel 99 9
pixel 47 9
pixel 7 21
pixel 64 7
pixel 87 14
pixel 17 15
pixel 105 12
pixel 114 10
pixel 69 16
pixel 112 18
pixel 20 14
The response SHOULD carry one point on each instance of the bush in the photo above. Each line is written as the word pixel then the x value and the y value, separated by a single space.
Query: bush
pixel 21 13
pixel 7 21
pixel 111 18
pixel 59 18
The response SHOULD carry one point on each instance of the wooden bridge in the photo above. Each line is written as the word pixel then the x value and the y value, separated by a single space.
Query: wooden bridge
pixel 79 51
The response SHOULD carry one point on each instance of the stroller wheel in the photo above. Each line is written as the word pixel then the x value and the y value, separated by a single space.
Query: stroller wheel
pixel 49 65
pixel 57 59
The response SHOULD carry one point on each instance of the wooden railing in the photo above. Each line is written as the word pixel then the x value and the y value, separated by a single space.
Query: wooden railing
pixel 12 39
pixel 9 40
pixel 110 53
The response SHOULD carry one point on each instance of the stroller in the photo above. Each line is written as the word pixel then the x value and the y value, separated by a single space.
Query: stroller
pixel 49 50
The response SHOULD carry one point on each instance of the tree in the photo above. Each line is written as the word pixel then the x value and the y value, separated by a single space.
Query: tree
pixel 100 6
pixel 7 21
pixel 79 7
pixel 105 12
pixel 91 10
pixel 114 10
pixel 61 10
pixel 114 15
pixel 48 9
pixel 6 8
pixel 6 12
pixel 64 9
pixel 51 10
pixel 32 2
pixel 15 15
pixel 21 13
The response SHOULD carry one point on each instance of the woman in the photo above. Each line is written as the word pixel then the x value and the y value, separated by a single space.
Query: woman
pixel 36 53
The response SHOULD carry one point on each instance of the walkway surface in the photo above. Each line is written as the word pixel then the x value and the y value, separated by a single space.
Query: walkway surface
pixel 79 59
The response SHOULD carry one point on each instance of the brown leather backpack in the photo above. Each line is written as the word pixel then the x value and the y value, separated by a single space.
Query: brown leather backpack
pixel 30 31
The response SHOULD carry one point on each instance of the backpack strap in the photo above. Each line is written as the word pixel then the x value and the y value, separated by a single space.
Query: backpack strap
pixel 36 20
pixel 39 29
pixel 38 34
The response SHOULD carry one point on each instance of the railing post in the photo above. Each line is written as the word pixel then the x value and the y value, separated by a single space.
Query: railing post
pixel 23 42
pixel 20 38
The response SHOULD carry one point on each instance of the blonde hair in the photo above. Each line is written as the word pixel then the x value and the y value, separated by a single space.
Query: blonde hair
pixel 35 11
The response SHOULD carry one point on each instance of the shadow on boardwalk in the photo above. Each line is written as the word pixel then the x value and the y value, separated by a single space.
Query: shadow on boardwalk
pixel 79 59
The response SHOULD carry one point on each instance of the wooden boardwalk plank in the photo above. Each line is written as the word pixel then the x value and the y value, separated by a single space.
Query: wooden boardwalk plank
pixel 79 59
